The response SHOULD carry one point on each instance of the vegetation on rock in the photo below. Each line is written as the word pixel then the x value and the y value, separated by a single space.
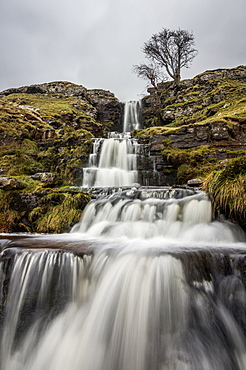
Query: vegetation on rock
pixel 202 128
pixel 49 129
pixel 200 100
pixel 227 189
pixel 58 211
pixel 49 211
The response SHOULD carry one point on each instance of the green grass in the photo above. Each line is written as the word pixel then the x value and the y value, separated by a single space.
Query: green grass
pixel 19 122
pixel 58 212
pixel 212 102
pixel 8 216
pixel 52 107
pixel 227 188
pixel 26 148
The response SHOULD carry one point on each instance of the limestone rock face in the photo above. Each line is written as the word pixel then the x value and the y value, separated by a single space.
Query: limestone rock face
pixel 195 128
pixel 98 104
pixel 238 73
pixel 217 135
pixel 203 93
pixel 209 109
pixel 107 105
pixel 58 87
pixel 50 127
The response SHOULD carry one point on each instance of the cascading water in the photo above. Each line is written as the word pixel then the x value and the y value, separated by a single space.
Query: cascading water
pixel 164 289
pixel 152 281
pixel 116 162
pixel 132 113
pixel 113 161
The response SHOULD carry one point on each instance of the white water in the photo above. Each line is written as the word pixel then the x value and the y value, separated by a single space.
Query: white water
pixel 131 306
pixel 116 329
pixel 42 284
pixel 131 116
pixel 114 160
pixel 164 289
pixel 177 220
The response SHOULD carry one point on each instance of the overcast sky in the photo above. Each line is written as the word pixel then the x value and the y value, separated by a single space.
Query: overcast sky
pixel 95 43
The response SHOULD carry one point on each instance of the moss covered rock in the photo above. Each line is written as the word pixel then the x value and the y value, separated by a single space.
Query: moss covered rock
pixel 201 134
pixel 43 211
pixel 46 135
pixel 50 128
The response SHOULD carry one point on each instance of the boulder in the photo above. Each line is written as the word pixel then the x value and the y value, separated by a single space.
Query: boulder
pixel 8 183
pixel 195 183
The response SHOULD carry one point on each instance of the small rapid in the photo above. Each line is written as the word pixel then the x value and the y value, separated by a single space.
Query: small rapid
pixel 180 216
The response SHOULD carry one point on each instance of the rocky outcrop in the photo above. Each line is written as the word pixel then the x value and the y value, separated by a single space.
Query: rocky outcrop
pixel 202 94
pixel 108 108
pixel 194 183
pixel 52 125
pixel 238 73
pixel 218 135
pixel 195 128
pixel 53 88
pixel 99 104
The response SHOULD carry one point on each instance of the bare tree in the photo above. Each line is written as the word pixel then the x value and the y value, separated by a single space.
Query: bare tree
pixel 150 72
pixel 154 75
pixel 171 50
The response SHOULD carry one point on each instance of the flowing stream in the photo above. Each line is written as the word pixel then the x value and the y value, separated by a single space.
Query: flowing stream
pixel 113 161
pixel 152 282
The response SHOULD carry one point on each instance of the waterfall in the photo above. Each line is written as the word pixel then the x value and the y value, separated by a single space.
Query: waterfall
pixel 164 289
pixel 132 113
pixel 147 279
pixel 113 161
pixel 41 285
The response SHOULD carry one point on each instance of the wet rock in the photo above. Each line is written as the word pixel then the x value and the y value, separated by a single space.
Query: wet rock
pixel 194 183
pixel 9 183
